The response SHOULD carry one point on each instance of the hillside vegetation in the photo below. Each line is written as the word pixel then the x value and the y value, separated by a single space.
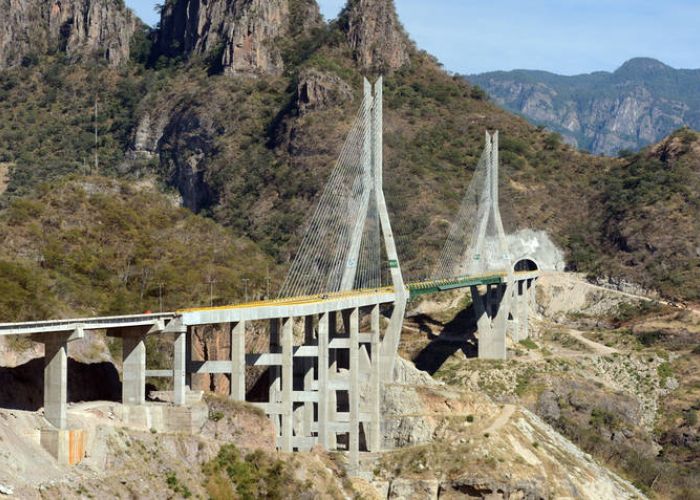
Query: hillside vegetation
pixel 92 245
pixel 251 153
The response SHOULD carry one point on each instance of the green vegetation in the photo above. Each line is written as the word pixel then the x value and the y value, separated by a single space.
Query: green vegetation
pixel 529 344
pixel 176 486
pixel 255 475
pixel 665 371
pixel 47 119
pixel 24 293
pixel 106 247
pixel 627 311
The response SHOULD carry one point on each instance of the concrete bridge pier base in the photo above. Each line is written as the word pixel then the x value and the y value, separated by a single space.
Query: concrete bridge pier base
pixel 134 367
pixel 492 310
pixel 56 374
pixel 66 445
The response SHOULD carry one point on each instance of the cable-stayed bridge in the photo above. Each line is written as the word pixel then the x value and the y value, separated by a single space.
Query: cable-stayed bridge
pixel 330 338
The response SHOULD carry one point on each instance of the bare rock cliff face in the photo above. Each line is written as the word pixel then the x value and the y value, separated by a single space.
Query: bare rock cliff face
pixel 83 29
pixel 375 34
pixel 319 90
pixel 238 35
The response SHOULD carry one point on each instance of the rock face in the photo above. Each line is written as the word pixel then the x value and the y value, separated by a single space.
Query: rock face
pixel 235 35
pixel 320 90
pixel 538 246
pixel 83 29
pixel 375 34
pixel 637 105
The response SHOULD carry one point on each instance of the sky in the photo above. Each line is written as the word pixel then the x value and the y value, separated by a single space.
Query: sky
pixel 563 36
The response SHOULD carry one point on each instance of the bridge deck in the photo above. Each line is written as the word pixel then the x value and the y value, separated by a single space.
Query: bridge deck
pixel 67 325
pixel 265 309
pixel 287 307
pixel 437 286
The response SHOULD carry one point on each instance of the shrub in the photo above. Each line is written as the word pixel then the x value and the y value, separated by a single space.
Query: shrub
pixel 529 344
pixel 478 93
pixel 552 141
pixel 257 475
pixel 665 371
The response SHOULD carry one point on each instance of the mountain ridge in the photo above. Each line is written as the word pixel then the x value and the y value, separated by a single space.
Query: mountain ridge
pixel 638 104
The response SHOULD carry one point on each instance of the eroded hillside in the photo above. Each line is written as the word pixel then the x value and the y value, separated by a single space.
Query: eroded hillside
pixel 609 370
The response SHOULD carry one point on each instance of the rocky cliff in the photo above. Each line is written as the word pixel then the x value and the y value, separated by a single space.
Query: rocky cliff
pixel 375 34
pixel 236 36
pixel 82 29
pixel 637 105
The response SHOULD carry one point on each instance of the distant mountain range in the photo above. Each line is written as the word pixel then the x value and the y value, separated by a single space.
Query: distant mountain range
pixel 637 105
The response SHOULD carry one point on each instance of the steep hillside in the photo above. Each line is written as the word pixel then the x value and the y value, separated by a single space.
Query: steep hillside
pixel 637 105
pixel 254 153
pixel 614 373
pixel 248 139
pixel 88 246
pixel 650 224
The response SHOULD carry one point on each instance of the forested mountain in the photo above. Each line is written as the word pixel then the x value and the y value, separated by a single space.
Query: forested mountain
pixel 240 107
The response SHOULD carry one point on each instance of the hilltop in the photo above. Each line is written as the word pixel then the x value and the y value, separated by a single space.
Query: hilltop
pixel 637 105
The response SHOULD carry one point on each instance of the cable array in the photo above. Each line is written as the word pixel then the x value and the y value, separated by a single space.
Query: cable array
pixel 332 256
pixel 476 243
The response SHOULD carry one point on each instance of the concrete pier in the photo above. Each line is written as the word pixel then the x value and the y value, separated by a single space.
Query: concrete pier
pixel 180 367
pixel 56 373
pixel 56 382
pixel 134 366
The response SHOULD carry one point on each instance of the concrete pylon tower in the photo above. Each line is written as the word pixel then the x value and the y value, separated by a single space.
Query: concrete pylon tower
pixel 490 252
pixel 390 343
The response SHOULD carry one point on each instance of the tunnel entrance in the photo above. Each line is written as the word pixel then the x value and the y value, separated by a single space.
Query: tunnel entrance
pixel 525 265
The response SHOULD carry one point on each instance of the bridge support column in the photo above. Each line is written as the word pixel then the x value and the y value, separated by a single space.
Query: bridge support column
pixel 274 372
pixel 323 390
pixel 332 375
pixel 491 312
pixel 238 361
pixel 56 382
pixel 56 374
pixel 354 389
pixel 374 441
pixel 180 355
pixel 308 376
pixel 287 427
pixel 134 366
pixel 524 309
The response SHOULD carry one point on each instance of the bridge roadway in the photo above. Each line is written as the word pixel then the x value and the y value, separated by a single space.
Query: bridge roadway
pixel 263 309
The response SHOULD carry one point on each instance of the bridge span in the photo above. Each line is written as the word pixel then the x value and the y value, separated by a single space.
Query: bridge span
pixel 330 339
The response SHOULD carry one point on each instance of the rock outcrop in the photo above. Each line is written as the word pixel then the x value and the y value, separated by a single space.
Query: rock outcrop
pixel 83 29
pixel 378 40
pixel 236 36
pixel 320 90
pixel 639 104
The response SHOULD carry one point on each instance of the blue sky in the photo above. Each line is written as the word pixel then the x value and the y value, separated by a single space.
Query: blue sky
pixel 563 36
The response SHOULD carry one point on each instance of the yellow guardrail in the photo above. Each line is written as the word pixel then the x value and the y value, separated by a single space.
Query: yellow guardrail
pixel 292 301
pixel 307 299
